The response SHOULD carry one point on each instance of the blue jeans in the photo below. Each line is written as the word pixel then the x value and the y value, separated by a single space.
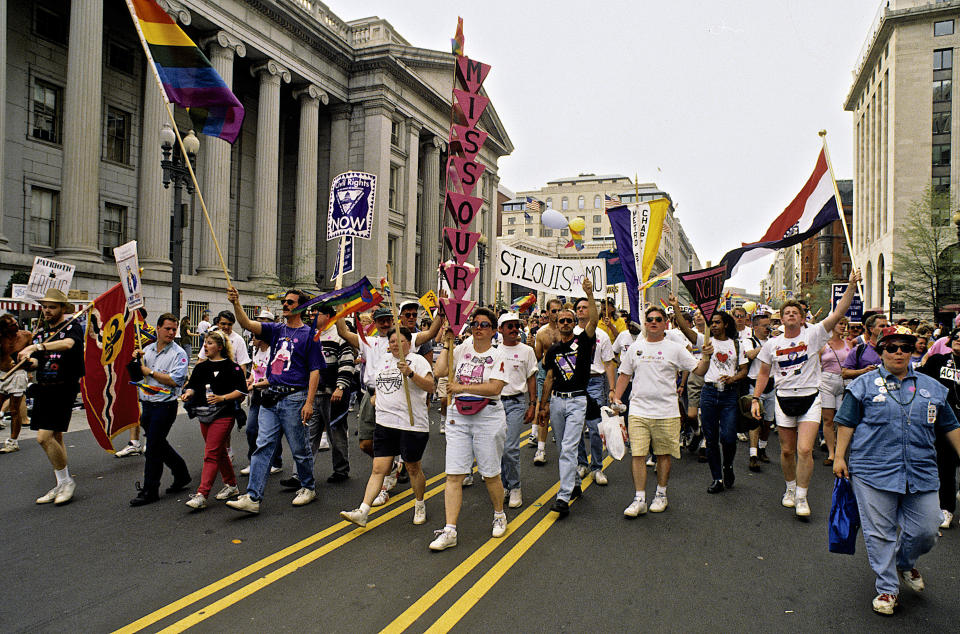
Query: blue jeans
pixel 515 408
pixel 253 429
pixel 597 389
pixel 566 416
pixel 284 417
pixel 718 417
pixel 882 513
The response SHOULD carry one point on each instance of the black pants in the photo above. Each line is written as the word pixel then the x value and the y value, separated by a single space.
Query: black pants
pixel 947 462
pixel 331 417
pixel 156 420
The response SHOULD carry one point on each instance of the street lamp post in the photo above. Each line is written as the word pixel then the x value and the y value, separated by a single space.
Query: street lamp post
pixel 175 171
pixel 891 291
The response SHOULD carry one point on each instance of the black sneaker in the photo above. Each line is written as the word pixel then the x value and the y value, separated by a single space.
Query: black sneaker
pixel 144 496
pixel 337 477
pixel 562 507
pixel 293 482
pixel 577 492
pixel 179 484
pixel 762 454
pixel 701 454
pixel 728 477
pixel 403 477
pixel 715 487
pixel 754 463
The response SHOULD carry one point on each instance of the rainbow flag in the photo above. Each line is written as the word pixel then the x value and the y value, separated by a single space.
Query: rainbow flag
pixel 521 304
pixel 576 240
pixel 150 389
pixel 188 78
pixel 355 298
pixel 664 305
pixel 456 42
pixel 659 281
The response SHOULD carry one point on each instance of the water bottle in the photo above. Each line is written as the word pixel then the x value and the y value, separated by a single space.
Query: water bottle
pixel 720 386
pixel 209 392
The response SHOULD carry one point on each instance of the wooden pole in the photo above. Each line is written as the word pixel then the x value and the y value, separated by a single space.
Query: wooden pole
pixel 399 354
pixel 341 256
pixel 843 216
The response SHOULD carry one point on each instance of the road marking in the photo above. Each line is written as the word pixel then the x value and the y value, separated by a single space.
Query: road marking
pixel 476 592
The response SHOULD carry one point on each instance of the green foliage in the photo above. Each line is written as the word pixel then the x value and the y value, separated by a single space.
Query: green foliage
pixel 920 264
pixel 19 277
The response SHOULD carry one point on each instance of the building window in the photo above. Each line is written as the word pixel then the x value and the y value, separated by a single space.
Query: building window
pixel 549 203
pixel 941 154
pixel 845 270
pixel 941 122
pixel 120 57
pixel 548 233
pixel 511 232
pixel 46 111
pixel 512 220
pixel 581 203
pixel 118 135
pixel 50 20
pixel 944 27
pixel 529 220
pixel 195 313
pixel 395 133
pixel 941 184
pixel 943 59
pixel 564 203
pixel 596 231
pixel 44 208
pixel 564 232
pixel 529 232
pixel 392 255
pixel 597 203
pixel 597 218
pixel 114 228
pixel 942 90
pixel 393 197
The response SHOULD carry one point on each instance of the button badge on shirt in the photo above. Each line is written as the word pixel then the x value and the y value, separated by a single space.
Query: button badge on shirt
pixel 931 414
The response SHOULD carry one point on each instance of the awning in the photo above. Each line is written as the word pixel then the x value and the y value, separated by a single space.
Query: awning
pixel 18 304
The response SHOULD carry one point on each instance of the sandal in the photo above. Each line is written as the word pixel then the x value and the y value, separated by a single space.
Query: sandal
pixel 828 462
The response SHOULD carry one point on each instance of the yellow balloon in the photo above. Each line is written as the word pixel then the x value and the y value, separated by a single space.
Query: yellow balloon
pixel 750 307
pixel 578 225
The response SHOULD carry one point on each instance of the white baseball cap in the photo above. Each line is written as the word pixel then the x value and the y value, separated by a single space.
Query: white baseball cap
pixel 266 314
pixel 504 318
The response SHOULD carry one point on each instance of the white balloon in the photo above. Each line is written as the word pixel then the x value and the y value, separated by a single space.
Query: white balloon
pixel 553 219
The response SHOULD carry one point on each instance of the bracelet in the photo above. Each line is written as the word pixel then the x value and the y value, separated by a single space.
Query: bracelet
pixel 755 398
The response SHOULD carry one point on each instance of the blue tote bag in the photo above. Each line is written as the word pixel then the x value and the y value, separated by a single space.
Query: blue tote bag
pixel 844 519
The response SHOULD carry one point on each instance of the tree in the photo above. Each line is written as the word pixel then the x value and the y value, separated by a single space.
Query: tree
pixel 922 266
pixel 19 277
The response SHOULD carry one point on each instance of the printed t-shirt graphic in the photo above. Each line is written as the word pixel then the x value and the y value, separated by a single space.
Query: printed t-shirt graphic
pixel 472 367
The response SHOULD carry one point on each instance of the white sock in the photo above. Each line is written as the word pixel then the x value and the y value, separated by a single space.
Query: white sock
pixel 661 490
pixel 364 508
pixel 419 503
pixel 792 485
pixel 541 445
pixel 62 474
pixel 450 527
pixel 499 514
pixel 802 492
pixel 763 444
pixel 753 452
pixel 640 495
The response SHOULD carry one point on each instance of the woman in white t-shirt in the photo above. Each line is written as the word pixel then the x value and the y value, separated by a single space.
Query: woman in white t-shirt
pixel 476 425
pixel 396 433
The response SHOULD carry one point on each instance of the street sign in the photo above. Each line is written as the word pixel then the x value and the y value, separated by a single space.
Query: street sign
pixel 855 312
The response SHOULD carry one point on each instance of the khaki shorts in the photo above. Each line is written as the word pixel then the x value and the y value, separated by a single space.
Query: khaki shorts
pixel 661 435
pixel 694 385
pixel 366 417
pixel 16 383
pixel 442 386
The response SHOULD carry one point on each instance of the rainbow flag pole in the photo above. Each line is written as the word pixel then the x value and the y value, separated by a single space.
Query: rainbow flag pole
pixel 164 30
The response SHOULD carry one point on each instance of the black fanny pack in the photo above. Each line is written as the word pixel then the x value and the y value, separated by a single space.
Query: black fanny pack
pixel 272 395
pixel 796 405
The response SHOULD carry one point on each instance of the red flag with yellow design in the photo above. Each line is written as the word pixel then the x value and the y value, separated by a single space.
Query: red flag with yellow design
pixel 108 397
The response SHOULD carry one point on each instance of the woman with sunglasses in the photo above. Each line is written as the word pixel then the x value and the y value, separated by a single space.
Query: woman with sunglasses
pixel 476 423
pixel 216 388
pixel 889 420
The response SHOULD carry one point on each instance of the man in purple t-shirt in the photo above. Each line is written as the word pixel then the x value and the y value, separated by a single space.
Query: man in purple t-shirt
pixel 864 358
pixel 286 406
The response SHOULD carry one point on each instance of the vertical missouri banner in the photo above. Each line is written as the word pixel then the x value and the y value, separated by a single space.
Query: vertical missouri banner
pixel 556 276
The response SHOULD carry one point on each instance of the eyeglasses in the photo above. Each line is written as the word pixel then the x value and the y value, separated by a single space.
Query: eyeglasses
pixel 512 325
pixel 554 310
pixel 654 319
pixel 565 320
pixel 480 324
pixel 289 302
pixel 903 347
pixel 408 315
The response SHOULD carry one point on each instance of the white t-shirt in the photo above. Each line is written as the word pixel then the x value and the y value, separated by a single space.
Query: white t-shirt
pixel 259 363
pixel 677 336
pixel 602 353
pixel 373 351
pixel 239 346
pixel 474 367
pixel 755 364
pixel 520 363
pixel 203 327
pixel 391 407
pixel 623 341
pixel 654 366
pixel 746 333
pixel 795 361
pixel 724 361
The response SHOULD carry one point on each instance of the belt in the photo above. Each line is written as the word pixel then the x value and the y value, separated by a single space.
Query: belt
pixel 514 397
pixel 573 394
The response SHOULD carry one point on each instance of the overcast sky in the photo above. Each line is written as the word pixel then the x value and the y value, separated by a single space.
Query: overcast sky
pixel 719 103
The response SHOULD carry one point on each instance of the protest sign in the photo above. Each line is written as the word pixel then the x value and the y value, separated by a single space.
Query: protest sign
pixel 47 274
pixel 128 266
pixel 344 254
pixel 855 312
pixel 352 198
pixel 705 287
pixel 551 275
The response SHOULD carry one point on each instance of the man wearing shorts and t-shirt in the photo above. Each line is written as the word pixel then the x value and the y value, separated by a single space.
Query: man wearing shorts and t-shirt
pixel 793 359
pixel 653 362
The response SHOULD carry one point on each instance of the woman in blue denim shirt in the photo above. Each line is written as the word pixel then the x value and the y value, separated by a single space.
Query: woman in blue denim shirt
pixel 889 419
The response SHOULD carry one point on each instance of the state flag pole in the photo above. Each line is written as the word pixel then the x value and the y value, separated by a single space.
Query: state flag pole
pixel 843 216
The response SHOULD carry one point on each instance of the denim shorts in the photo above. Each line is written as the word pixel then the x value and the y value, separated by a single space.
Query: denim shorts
pixel 479 437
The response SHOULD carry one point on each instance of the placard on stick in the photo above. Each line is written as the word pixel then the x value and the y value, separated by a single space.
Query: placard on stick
pixel 128 266
pixel 47 274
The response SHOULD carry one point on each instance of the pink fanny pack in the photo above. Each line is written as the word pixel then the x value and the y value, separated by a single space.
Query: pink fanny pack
pixel 469 405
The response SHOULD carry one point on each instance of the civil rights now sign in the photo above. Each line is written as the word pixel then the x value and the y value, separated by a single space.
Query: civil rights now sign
pixel 551 275
pixel 352 198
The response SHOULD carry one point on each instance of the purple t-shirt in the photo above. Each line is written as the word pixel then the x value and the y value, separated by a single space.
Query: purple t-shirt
pixel 867 358
pixel 293 355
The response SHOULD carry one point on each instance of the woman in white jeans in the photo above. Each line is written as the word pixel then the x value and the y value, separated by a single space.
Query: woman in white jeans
pixel 831 383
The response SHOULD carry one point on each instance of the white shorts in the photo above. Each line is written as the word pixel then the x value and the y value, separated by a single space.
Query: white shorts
pixel 16 383
pixel 831 390
pixel 479 437
pixel 812 415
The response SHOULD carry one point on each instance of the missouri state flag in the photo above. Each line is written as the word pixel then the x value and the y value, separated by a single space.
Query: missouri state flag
pixel 815 207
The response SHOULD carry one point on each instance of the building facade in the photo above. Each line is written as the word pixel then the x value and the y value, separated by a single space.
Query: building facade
pixel 81 158
pixel 904 131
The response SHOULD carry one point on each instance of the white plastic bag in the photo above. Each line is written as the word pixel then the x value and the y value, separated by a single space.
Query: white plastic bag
pixel 613 432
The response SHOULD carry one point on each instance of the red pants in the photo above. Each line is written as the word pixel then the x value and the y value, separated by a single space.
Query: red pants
pixel 215 457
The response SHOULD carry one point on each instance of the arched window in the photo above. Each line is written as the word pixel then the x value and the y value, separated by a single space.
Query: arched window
pixel 549 203
pixel 869 290
pixel 881 286
pixel 597 203
pixel 564 203
pixel 581 203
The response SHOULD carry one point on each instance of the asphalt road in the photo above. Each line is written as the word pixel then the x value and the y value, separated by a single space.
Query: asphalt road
pixel 735 561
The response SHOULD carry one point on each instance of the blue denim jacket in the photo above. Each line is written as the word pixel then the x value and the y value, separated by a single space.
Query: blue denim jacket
pixel 892 447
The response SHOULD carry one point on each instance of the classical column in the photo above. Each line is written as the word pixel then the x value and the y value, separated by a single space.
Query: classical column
pixel 408 275
pixel 215 155
pixel 377 115
pixel 3 113
pixel 305 237
pixel 430 239
pixel 78 222
pixel 339 139
pixel 264 266
pixel 153 203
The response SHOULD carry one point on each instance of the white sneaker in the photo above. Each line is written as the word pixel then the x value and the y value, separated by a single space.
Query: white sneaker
pixel 947 518
pixel 540 457
pixel 356 516
pixel 245 503
pixel 912 579
pixel 10 445
pixel 304 496
pixel 324 442
pixel 49 496
pixel 532 438
pixel 273 470
pixel 419 512
pixel 444 539
pixel 743 437
pixel 227 492
pixel 499 525
pixel 132 449
pixel 468 481
pixel 246 470
pixel 197 501
pixel 637 507
pixel 789 498
pixel 230 454
pixel 600 477
pixel 582 471
pixel 65 494
pixel 381 498
pixel 659 504
pixel 443 428
pixel 389 482
pixel 651 461
pixel 803 509
pixel 516 499
pixel 884 603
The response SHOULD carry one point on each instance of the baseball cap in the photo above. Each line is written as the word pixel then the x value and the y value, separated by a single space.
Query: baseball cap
pixel 380 313
pixel 409 303
pixel 266 314
pixel 505 317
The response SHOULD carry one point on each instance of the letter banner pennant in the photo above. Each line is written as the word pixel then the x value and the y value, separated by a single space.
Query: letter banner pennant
pixel 705 286
pixel 461 242
pixel 467 141
pixel 459 277
pixel 463 175
pixel 352 199
pixel 471 73
pixel 457 312
pixel 463 208
pixel 469 106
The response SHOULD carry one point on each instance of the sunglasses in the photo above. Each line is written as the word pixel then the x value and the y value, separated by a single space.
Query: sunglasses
pixel 512 325
pixel 554 310
pixel 894 347
pixel 480 324
pixel 408 315
pixel 654 319
pixel 565 320
pixel 289 302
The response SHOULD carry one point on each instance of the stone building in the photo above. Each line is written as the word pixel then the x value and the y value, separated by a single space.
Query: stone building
pixel 81 159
